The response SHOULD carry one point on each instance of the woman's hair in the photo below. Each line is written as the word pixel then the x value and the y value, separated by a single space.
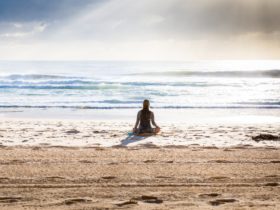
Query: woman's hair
pixel 146 104
pixel 145 113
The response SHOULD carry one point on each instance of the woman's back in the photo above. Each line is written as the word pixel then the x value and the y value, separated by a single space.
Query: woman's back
pixel 145 118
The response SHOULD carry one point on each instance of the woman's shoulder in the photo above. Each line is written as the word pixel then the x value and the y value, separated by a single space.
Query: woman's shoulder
pixel 140 111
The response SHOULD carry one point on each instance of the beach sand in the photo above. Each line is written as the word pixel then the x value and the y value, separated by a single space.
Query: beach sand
pixel 139 178
pixel 59 164
pixel 88 133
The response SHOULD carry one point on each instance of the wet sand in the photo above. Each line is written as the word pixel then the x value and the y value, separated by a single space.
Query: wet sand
pixel 149 177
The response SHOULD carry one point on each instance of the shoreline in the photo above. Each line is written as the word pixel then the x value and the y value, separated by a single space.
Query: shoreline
pixel 188 116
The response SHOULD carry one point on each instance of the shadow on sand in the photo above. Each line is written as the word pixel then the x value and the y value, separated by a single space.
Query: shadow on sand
pixel 133 138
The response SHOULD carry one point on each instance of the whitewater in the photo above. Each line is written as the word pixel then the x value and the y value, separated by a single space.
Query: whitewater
pixel 124 85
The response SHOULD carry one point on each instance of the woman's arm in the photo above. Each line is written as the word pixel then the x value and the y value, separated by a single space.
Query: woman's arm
pixel 153 120
pixel 137 120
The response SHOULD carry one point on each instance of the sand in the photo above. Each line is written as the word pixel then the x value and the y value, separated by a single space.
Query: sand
pixel 60 164
pixel 139 178
pixel 87 133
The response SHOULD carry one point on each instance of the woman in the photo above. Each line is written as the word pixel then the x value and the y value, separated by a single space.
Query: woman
pixel 145 117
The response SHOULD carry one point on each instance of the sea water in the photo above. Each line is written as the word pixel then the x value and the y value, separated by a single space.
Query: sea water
pixel 124 85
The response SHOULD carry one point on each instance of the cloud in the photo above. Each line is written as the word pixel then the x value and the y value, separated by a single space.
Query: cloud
pixel 145 19
pixel 21 30
pixel 153 29
pixel 174 19
pixel 29 18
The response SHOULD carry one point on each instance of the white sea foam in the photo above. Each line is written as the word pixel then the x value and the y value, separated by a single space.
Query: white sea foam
pixel 122 85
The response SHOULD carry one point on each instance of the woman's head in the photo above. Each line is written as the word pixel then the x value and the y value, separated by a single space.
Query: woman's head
pixel 146 104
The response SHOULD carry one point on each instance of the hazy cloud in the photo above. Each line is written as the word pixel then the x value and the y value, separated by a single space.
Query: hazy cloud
pixel 164 25
pixel 21 30
pixel 179 19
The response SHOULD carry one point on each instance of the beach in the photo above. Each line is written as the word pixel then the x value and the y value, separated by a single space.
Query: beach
pixel 139 177
pixel 66 141
pixel 49 163
pixel 139 105
pixel 220 128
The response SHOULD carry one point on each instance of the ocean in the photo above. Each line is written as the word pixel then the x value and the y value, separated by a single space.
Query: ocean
pixel 124 85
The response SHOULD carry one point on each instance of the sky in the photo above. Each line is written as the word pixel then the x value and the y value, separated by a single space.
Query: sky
pixel 139 30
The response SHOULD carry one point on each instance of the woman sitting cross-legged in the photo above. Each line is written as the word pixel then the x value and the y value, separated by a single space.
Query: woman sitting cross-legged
pixel 145 117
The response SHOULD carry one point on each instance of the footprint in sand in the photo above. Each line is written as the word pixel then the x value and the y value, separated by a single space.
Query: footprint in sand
pixel 76 200
pixel 219 161
pixel 210 147
pixel 228 150
pixel 86 136
pixel 99 148
pixel 218 178
pixel 275 161
pixel 17 161
pixel 149 199
pixel 272 184
pixel 127 203
pixel 163 177
pixel 108 177
pixel 113 163
pixel 10 199
pixel 209 195
pixel 86 161
pixel 73 131
pixel 218 202
pixel 149 161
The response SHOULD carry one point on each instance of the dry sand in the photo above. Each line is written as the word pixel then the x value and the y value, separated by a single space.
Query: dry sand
pixel 60 164
pixel 139 178
pixel 20 132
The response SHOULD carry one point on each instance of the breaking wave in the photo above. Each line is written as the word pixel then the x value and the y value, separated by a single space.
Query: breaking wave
pixel 237 74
